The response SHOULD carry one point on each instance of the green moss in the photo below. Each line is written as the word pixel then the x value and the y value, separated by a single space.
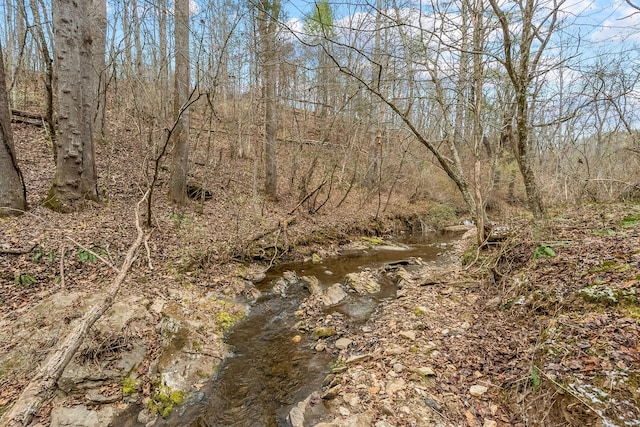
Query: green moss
pixel 374 240
pixel 128 386
pixel 419 311
pixel 164 401
pixel 52 201
pixel 470 255
pixel 610 265
pixel 629 221
pixel 225 320
pixel 632 311
pixel 441 215
pixel 598 293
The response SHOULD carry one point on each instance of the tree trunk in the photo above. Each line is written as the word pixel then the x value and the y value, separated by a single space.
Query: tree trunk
pixel 267 26
pixel 524 162
pixel 180 161
pixel 12 190
pixel 75 179
pixel 48 66
pixel 163 63
pixel 99 26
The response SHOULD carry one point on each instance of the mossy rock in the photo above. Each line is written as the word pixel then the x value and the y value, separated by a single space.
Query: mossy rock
pixel 164 401
pixel 323 332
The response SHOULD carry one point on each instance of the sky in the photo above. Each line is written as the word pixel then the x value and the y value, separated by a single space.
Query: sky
pixel 597 22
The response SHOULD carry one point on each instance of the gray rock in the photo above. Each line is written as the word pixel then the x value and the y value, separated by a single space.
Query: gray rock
pixel 312 284
pixel 81 416
pixel 425 371
pixel 357 420
pixel 477 390
pixel 323 332
pixel 343 343
pixel 394 386
pixel 333 295
pixel 255 276
pixel 297 413
pixel 494 302
pixel 290 277
pixel 145 416
pixel 410 335
pixel 357 358
pixel 95 397
pixel 362 283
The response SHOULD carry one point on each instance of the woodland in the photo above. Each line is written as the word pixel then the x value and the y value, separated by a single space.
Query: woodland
pixel 176 151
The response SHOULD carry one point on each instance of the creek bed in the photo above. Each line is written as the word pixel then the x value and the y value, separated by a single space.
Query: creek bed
pixel 268 372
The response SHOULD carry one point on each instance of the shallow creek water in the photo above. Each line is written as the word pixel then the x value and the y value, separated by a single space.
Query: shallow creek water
pixel 268 372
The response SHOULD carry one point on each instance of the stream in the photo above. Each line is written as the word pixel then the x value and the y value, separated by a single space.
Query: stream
pixel 268 372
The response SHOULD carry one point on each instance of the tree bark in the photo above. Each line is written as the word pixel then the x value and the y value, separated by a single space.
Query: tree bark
pixel 268 13
pixel 76 178
pixel 12 189
pixel 98 17
pixel 180 160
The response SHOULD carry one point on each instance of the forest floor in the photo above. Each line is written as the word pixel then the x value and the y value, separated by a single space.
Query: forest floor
pixel 541 329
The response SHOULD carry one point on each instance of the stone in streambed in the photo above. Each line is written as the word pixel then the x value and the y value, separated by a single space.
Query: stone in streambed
pixel 323 332
pixel 343 343
pixel 333 295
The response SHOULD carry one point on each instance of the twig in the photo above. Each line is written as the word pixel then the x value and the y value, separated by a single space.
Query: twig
pixel 18 251
pixel 146 246
pixel 307 197
pixel 101 258
pixel 572 393
pixel 275 254
pixel 62 284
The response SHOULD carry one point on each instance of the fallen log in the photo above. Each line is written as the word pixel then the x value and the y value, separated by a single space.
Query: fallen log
pixel 26 118
pixel 41 387
pixel 27 115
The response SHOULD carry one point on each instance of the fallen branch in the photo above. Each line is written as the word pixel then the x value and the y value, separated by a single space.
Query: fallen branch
pixel 18 251
pixel 27 115
pixel 281 226
pixel 62 283
pixel 43 384
pixel 101 258
pixel 572 393
pixel 26 118
pixel 307 197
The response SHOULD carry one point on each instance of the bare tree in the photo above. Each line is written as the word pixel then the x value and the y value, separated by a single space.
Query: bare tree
pixel 12 189
pixel 525 37
pixel 180 160
pixel 268 14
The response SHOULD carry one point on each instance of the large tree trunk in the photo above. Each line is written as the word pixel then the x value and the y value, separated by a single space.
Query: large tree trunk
pixel 12 190
pixel 267 26
pixel 180 161
pixel 75 179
